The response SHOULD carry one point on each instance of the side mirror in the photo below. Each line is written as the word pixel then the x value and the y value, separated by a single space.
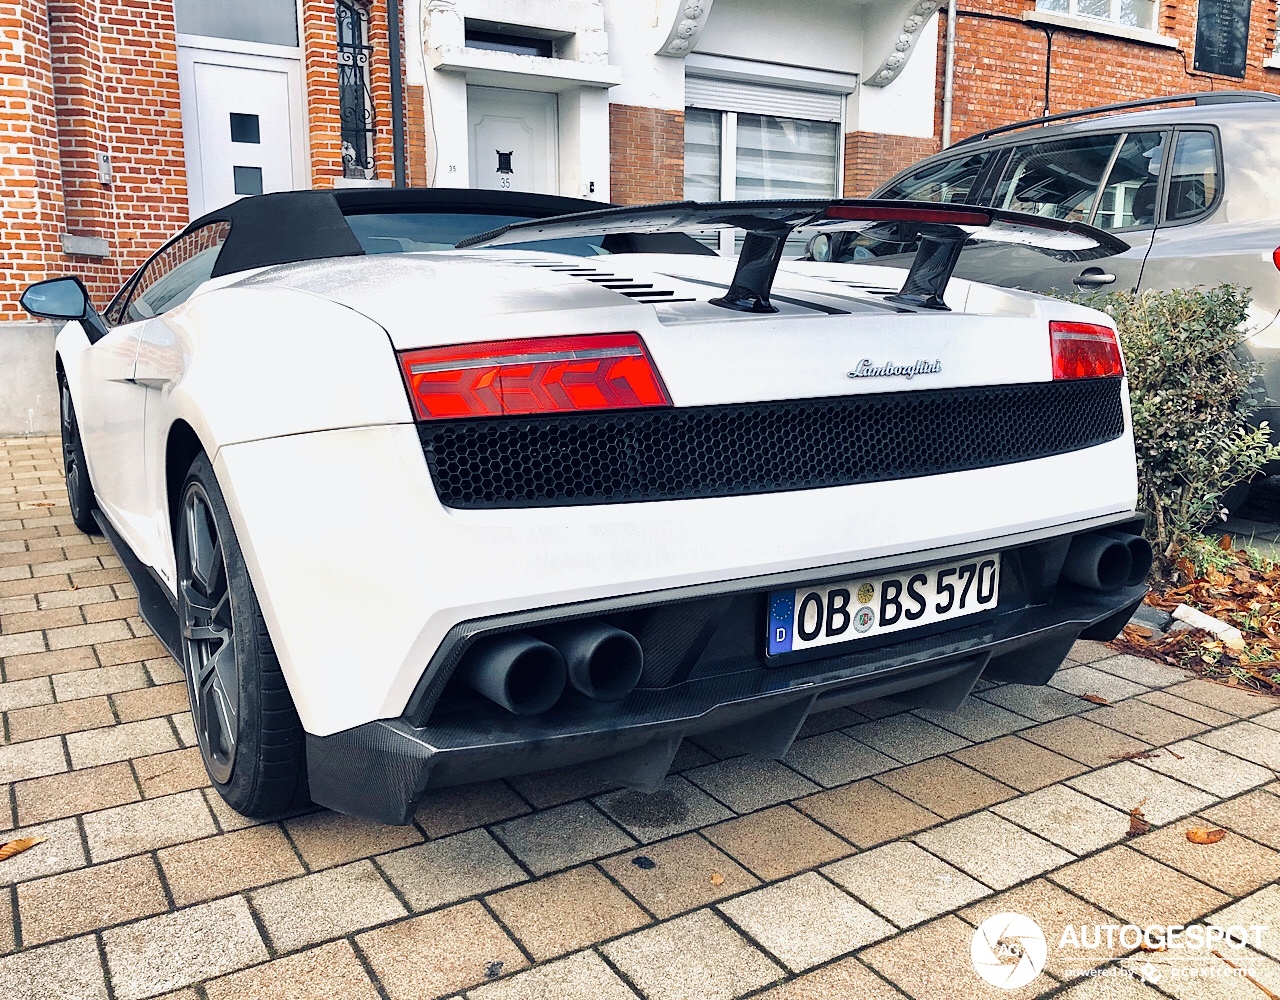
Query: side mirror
pixel 57 298
pixel 67 299
pixel 820 248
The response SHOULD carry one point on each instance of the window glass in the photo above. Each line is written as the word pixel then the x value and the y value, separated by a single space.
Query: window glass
pixel 273 22
pixel 1131 13
pixel 785 158
pixel 774 157
pixel 1193 179
pixel 1057 178
pixel 175 272
pixel 518 44
pixel 947 181
pixel 416 232
pixel 1129 196
pixel 355 104
pixel 702 154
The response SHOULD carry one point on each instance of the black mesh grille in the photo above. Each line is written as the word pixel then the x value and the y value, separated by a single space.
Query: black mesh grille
pixel 717 451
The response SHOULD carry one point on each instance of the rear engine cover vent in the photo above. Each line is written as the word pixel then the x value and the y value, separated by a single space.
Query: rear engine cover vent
pixel 639 290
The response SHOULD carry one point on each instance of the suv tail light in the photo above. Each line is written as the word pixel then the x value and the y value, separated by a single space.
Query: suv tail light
pixel 1084 350
pixel 596 371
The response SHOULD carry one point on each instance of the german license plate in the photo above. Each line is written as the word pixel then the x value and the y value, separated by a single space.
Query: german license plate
pixel 879 605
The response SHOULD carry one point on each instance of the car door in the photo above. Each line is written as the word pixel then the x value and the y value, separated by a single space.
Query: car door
pixel 182 267
pixel 109 410
pixel 1107 179
pixel 118 381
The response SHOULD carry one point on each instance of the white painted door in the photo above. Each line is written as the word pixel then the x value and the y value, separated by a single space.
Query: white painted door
pixel 242 123
pixel 512 139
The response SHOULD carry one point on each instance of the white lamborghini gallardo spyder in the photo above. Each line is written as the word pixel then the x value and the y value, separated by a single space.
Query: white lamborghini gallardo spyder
pixel 577 489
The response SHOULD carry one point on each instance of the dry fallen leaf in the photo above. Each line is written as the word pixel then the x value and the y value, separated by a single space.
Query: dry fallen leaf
pixel 1147 946
pixel 1201 835
pixel 1134 755
pixel 1095 699
pixel 1141 631
pixel 1224 543
pixel 1138 824
pixel 12 847
pixel 717 878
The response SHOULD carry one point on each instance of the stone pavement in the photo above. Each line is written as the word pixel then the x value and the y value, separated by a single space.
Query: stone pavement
pixel 859 867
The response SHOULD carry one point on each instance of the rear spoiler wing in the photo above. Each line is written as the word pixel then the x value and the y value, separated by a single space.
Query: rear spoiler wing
pixel 943 230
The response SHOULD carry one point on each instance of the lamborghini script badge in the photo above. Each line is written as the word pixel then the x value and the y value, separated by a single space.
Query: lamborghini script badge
pixel 869 369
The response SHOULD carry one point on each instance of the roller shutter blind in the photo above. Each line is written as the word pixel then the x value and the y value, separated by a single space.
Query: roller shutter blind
pixel 762 99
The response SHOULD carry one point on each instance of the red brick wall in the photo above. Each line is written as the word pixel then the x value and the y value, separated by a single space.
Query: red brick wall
pixel 77 81
pixel 319 44
pixel 116 67
pixel 30 189
pixel 1000 64
pixel 871 158
pixel 646 155
pixel 415 135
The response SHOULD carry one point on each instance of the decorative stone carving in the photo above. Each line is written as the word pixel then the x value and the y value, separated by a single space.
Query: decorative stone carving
pixel 917 13
pixel 686 25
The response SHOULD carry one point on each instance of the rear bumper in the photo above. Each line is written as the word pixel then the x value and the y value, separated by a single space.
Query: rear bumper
pixel 379 770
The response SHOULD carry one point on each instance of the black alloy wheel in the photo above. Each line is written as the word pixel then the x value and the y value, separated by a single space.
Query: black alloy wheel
pixel 208 650
pixel 248 729
pixel 79 491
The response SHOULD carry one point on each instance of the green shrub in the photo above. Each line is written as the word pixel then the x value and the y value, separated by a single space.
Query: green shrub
pixel 1191 395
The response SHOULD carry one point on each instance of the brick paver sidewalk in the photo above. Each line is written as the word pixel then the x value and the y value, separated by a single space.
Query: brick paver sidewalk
pixel 857 867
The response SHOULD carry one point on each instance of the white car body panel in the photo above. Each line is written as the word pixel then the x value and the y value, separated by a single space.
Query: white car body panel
pixel 290 380
pixel 412 568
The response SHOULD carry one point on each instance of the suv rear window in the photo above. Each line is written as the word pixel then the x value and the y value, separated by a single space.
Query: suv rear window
pixel 1129 196
pixel 949 181
pixel 1056 178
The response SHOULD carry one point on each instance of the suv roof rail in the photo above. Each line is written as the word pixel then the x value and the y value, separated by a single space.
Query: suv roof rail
pixel 1199 97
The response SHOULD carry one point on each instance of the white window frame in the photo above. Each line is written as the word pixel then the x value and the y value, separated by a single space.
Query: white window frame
pixel 1073 10
pixel 1112 25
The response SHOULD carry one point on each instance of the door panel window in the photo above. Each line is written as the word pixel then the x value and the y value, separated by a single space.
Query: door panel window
pixel 1129 197
pixel 1058 178
pixel 174 273
pixel 1193 179
pixel 949 181
pixel 274 22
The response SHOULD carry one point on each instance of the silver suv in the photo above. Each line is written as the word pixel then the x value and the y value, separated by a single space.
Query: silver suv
pixel 1193 189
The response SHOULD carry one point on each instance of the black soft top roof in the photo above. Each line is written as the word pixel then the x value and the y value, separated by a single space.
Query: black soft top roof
pixel 310 225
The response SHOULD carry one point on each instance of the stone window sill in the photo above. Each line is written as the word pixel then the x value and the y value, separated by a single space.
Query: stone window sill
pixel 1095 26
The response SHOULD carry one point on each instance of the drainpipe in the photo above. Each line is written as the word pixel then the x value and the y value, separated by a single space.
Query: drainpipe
pixel 948 74
pixel 395 35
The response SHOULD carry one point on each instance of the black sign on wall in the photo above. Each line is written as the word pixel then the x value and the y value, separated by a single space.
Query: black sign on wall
pixel 1222 36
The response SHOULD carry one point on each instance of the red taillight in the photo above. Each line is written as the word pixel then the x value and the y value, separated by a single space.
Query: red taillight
pixel 596 371
pixel 1084 350
pixel 1275 258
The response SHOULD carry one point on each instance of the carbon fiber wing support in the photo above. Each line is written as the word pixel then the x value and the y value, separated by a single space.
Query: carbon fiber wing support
pixel 943 230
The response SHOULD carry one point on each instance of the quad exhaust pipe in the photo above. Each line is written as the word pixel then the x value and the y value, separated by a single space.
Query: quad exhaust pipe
pixel 1107 560
pixel 526 675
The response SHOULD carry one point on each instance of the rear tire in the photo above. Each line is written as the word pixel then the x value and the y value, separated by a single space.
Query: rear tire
pixel 245 721
pixel 75 469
